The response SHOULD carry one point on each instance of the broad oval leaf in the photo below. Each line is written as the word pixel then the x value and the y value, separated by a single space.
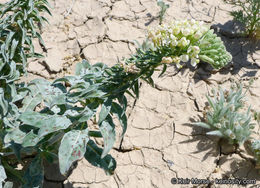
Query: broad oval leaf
pixel 72 148
pixel 15 135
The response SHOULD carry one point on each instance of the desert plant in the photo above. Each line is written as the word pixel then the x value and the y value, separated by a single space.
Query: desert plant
pixel 163 7
pixel 53 120
pixel 18 27
pixel 248 14
pixel 226 118
pixel 256 150
pixel 189 39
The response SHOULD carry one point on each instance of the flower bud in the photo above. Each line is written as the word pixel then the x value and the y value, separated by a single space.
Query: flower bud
pixel 198 35
pixel 186 31
pixel 184 58
pixel 183 42
pixel 174 42
pixel 196 49
pixel 218 125
pixel 194 62
pixel 176 30
pixel 167 60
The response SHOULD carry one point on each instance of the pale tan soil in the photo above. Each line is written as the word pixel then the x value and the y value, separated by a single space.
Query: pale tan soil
pixel 160 143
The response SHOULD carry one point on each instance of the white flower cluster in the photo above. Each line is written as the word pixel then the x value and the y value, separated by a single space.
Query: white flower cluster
pixel 181 38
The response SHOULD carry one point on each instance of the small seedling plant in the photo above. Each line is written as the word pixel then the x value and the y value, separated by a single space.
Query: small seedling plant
pixel 163 7
pixel 53 121
pixel 248 14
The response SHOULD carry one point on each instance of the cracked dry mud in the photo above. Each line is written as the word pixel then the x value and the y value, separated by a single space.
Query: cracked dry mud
pixel 160 144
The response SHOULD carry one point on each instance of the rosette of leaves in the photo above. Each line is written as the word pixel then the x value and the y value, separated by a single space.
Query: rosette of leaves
pixel 163 6
pixel 225 117
pixel 213 51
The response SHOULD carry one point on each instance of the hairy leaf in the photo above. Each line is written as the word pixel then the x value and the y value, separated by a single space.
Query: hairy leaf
pixel 72 148
pixel 105 110
pixel 46 123
pixel 15 135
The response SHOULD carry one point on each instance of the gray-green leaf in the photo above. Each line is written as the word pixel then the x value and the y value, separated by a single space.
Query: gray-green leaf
pixel 46 123
pixel 72 148
pixel 201 124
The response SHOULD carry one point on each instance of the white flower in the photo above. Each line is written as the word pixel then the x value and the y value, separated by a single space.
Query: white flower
pixel 196 49
pixel 174 42
pixel 186 31
pixel 184 58
pixel 172 37
pixel 170 30
pixel 183 42
pixel 194 62
pixel 189 49
pixel 176 30
pixel 164 42
pixel 167 60
pixel 198 35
